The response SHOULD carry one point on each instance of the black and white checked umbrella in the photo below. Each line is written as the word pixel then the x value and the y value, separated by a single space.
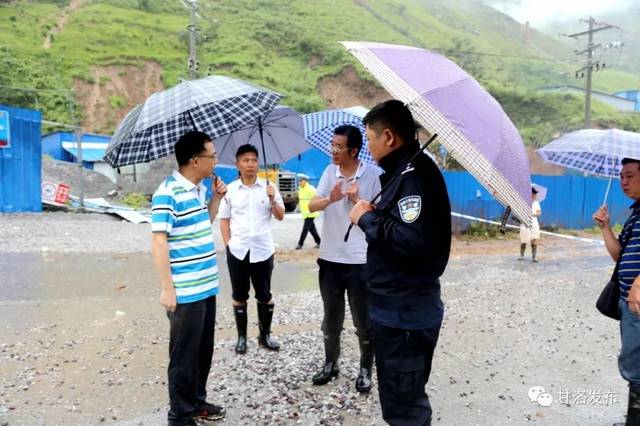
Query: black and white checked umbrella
pixel 215 105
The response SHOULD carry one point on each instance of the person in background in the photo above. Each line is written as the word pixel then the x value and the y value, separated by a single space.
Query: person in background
pixel 625 251
pixel 184 256
pixel 532 235
pixel 306 192
pixel 245 225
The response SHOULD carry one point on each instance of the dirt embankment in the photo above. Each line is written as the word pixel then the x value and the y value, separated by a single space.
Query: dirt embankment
pixel 347 89
pixel 113 91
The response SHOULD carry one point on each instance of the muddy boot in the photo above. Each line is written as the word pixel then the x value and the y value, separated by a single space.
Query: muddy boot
pixel 523 247
pixel 534 252
pixel 265 315
pixel 330 368
pixel 363 382
pixel 240 312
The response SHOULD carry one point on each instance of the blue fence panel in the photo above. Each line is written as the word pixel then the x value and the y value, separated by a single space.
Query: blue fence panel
pixel 20 164
pixel 570 202
pixel 312 163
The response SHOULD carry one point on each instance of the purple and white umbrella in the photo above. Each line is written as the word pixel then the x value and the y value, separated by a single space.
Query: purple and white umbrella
pixel 469 122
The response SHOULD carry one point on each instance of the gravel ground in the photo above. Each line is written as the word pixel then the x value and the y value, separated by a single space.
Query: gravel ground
pixel 83 340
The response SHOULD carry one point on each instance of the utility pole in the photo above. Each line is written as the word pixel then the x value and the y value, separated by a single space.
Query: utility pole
pixel 193 28
pixel 594 27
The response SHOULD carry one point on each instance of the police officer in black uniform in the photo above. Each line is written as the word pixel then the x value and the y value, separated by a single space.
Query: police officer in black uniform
pixel 409 236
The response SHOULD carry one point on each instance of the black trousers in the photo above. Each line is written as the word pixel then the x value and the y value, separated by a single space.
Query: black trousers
pixel 335 280
pixel 403 364
pixel 191 336
pixel 244 273
pixel 309 226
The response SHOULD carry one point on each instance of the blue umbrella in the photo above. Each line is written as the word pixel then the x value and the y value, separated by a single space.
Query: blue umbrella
pixel 319 126
pixel 215 105
pixel 279 134
pixel 593 151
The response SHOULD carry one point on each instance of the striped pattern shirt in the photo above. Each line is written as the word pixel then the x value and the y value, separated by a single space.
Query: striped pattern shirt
pixel 629 238
pixel 179 209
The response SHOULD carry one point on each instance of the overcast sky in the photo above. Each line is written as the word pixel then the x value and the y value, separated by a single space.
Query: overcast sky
pixel 541 11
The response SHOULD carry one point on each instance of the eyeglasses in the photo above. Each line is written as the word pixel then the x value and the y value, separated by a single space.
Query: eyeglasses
pixel 213 157
pixel 336 149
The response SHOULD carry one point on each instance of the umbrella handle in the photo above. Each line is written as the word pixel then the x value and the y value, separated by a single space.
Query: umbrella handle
pixel 505 217
pixel 606 194
pixel 374 199
pixel 264 153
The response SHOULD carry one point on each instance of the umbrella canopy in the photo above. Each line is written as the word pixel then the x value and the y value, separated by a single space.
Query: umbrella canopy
pixel 319 126
pixel 542 191
pixel 279 135
pixel 215 105
pixel 470 123
pixel 593 151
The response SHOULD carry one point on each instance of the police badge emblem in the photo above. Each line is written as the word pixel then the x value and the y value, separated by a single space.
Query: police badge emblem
pixel 410 208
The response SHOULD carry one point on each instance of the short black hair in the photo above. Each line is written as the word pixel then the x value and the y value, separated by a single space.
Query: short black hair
pixel 394 115
pixel 353 134
pixel 247 147
pixel 629 161
pixel 190 145
pixel 533 190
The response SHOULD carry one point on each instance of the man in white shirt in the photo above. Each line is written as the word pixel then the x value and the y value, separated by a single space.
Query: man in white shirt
pixel 245 225
pixel 342 184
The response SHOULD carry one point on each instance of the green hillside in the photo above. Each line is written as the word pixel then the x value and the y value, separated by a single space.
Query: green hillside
pixel 289 46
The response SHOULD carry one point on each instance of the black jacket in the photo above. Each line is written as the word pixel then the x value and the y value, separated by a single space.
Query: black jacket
pixel 409 236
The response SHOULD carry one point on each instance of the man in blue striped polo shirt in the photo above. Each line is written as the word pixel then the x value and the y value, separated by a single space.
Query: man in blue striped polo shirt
pixel 626 251
pixel 184 256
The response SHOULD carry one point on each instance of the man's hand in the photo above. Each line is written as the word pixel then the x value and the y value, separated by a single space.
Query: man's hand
pixel 219 188
pixel 271 191
pixel 352 192
pixel 168 299
pixel 361 207
pixel 633 298
pixel 601 217
pixel 336 193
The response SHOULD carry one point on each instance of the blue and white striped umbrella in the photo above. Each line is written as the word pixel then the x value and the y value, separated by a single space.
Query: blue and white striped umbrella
pixel 215 105
pixel 319 126
pixel 597 152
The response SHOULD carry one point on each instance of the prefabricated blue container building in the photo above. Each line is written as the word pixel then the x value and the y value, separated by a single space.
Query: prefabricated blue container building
pixel 20 160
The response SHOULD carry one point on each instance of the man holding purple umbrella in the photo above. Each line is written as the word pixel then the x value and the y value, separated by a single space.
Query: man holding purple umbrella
pixel 408 232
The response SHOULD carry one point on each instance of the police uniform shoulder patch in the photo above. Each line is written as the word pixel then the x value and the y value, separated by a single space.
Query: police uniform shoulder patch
pixel 410 208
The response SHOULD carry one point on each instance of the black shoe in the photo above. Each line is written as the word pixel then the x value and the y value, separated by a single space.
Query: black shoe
pixel 299 247
pixel 210 412
pixel 188 423
pixel 363 382
pixel 265 315
pixel 328 372
pixel 240 313
pixel 317 245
